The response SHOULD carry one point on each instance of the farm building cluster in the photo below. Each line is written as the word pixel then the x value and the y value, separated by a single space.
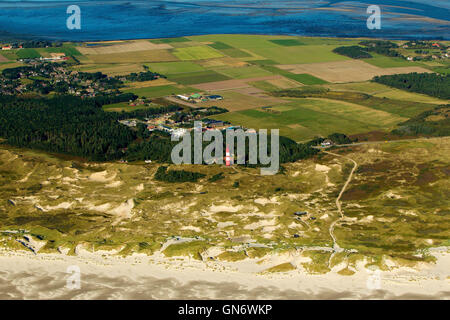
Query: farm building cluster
pixel 197 97
pixel 170 123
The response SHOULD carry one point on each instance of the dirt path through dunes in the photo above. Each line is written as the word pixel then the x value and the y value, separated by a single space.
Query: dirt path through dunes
pixel 336 247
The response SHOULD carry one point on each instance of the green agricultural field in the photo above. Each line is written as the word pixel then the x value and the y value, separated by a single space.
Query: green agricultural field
pixel 175 67
pixel 11 64
pixel 363 87
pixel 197 77
pixel 196 53
pixel 391 62
pixel 261 46
pixel 304 119
pixel 303 78
pixel 288 42
pixel 28 53
pixel 10 55
pixel 401 108
pixel 229 50
pixel 68 50
pixel 220 46
pixel 442 70
pixel 264 85
pixel 245 72
pixel 409 96
pixel 299 54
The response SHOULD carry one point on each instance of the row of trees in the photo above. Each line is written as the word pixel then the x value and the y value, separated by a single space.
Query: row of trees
pixel 433 84
pixel 162 174
pixel 354 52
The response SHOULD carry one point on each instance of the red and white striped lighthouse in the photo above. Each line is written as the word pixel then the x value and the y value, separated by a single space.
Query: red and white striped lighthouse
pixel 228 157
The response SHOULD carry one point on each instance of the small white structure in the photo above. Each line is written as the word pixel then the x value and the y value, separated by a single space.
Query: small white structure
pixel 182 97
pixel 327 143
pixel 178 133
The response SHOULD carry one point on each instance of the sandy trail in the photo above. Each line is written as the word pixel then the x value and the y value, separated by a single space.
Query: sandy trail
pixel 336 247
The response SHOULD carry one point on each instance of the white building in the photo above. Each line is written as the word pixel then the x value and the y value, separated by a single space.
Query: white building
pixel 182 97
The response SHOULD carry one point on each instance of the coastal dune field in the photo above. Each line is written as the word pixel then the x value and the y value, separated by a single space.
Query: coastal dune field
pixel 324 227
pixel 119 218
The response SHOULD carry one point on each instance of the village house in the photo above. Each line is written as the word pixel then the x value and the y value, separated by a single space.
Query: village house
pixel 327 143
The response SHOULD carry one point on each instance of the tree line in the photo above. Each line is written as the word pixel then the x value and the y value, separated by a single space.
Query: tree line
pixel 432 84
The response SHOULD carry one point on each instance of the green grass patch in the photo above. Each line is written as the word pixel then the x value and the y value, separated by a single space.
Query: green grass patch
pixel 193 248
pixel 197 77
pixel 284 267
pixel 245 72
pixel 319 263
pixel 10 55
pixel 442 70
pixel 220 45
pixel 175 67
pixel 390 62
pixel 28 54
pixel 197 53
pixel 264 85
pixel 236 53
pixel 68 50
pixel 401 108
pixel 229 50
pixel 302 78
pixel 288 42
pixel 232 256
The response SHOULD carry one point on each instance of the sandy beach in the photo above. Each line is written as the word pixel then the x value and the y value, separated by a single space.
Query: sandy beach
pixel 24 275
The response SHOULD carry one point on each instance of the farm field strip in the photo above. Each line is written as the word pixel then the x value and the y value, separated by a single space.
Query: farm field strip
pixel 304 119
pixel 132 46
pixel 347 71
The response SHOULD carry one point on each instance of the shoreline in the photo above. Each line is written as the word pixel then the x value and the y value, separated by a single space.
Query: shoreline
pixel 105 275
